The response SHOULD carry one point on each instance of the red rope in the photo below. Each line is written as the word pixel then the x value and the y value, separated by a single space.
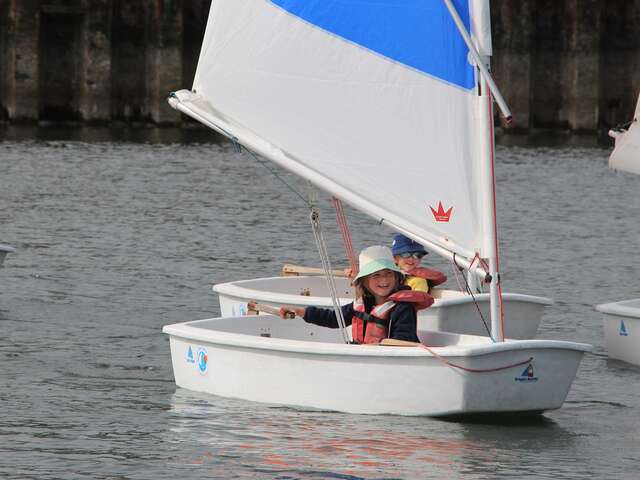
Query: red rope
pixel 481 261
pixel 456 274
pixel 346 235
pixel 474 370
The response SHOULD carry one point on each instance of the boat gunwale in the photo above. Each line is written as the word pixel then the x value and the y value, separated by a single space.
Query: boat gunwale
pixel 235 290
pixel 620 309
pixel 188 331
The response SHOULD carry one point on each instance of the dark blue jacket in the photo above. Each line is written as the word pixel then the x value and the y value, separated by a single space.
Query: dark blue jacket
pixel 402 321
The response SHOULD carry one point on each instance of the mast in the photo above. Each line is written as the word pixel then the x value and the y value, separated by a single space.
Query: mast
pixel 489 217
pixel 487 158
pixel 481 51
pixel 482 27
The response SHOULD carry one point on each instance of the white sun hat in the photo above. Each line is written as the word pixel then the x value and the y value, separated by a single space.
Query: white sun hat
pixel 376 258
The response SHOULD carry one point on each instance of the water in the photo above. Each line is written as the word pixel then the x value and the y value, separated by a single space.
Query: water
pixel 115 240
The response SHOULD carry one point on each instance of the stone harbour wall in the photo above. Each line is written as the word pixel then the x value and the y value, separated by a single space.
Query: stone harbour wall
pixel 562 65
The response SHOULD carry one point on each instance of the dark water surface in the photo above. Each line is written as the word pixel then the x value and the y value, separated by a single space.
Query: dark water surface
pixel 115 240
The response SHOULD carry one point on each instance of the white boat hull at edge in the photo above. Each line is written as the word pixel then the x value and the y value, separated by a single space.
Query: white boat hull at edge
pixel 4 250
pixel 622 330
pixel 288 362
pixel 452 311
pixel 626 152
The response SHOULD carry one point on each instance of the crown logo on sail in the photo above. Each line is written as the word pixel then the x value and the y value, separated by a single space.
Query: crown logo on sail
pixel 440 215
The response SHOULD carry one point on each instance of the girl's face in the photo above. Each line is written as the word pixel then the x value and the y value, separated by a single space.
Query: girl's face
pixel 381 284
pixel 408 262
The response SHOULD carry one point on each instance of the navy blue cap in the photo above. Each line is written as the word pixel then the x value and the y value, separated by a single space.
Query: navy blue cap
pixel 402 244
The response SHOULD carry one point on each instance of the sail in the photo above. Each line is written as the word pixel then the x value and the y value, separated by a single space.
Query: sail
pixel 374 102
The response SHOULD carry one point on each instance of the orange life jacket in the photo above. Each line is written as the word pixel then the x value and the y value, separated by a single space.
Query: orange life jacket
pixel 373 327
pixel 433 277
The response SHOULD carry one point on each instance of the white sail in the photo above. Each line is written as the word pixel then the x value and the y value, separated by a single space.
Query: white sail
pixel 375 102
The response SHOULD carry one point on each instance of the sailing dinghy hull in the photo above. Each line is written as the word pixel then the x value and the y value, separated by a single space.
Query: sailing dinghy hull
pixel 288 362
pixel 452 311
pixel 4 250
pixel 626 152
pixel 622 330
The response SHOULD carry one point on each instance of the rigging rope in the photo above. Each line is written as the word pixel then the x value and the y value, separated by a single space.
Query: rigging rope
pixel 326 265
pixel 240 148
pixel 317 233
pixel 456 272
pixel 621 127
pixel 474 370
pixel 468 290
pixel 346 235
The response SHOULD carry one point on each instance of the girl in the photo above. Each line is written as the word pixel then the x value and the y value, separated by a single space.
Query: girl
pixel 383 308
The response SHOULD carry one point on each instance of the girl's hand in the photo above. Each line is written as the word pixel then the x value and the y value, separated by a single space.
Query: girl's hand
pixel 286 311
pixel 289 312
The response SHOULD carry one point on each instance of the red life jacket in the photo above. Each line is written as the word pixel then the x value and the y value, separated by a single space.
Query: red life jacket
pixel 373 327
pixel 433 277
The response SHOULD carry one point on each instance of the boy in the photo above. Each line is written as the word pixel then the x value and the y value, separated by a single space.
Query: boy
pixel 407 254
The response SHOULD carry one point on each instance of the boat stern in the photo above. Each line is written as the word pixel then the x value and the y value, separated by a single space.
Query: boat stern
pixel 621 322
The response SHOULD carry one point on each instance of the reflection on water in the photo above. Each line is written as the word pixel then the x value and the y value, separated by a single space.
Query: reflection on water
pixel 257 438
pixel 290 441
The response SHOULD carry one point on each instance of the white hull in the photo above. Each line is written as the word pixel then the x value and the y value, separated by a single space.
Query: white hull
pixel 306 366
pixel 452 311
pixel 626 152
pixel 4 250
pixel 622 330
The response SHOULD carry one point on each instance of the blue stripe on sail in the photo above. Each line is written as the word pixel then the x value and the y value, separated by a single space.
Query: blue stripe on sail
pixel 417 33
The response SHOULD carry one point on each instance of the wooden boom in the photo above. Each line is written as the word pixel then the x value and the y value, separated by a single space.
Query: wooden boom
pixel 289 270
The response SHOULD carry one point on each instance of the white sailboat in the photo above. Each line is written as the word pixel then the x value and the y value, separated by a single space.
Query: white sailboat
pixel 626 152
pixel 621 320
pixel 356 99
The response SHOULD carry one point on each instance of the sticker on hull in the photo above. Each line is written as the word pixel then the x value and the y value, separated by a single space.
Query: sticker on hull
pixel 623 329
pixel 190 357
pixel 202 360
pixel 527 375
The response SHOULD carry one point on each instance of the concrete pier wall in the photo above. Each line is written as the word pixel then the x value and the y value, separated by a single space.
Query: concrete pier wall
pixel 571 65
pixel 562 65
